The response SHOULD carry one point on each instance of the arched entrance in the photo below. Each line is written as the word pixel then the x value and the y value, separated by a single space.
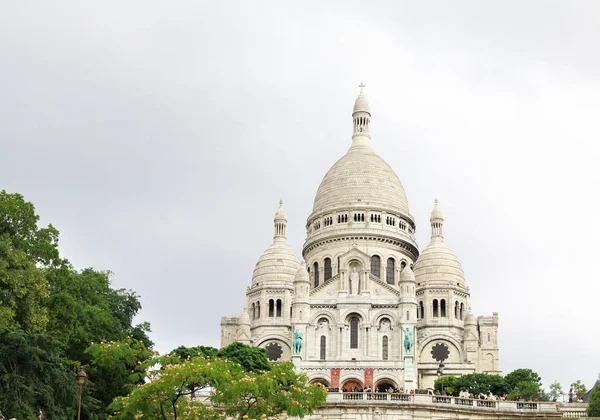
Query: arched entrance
pixel 384 385
pixel 352 385
pixel 320 381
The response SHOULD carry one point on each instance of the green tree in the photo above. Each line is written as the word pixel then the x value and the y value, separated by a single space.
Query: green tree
pixel 167 394
pixel 555 391
pixel 593 409
pixel 449 385
pixel 25 250
pixel 34 374
pixel 116 367
pixel 578 388
pixel 270 393
pixel 521 375
pixel 49 314
pixel 252 359
pixel 481 383
pixel 183 352
pixel 525 390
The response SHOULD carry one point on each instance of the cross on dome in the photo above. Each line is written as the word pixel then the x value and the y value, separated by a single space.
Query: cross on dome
pixel 361 86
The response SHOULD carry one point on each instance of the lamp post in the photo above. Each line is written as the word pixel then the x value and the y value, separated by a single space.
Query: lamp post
pixel 80 380
pixel 440 373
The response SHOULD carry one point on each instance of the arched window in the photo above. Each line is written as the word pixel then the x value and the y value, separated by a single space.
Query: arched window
pixel 418 312
pixel 279 308
pixel 435 308
pixel 488 337
pixel 257 310
pixel 354 333
pixel 271 308
pixel 253 312
pixel 407 315
pixel 323 347
pixel 462 306
pixel 316 271
pixel 390 270
pixel 327 269
pixel 422 310
pixel 443 308
pixel 384 347
pixel 456 310
pixel 376 266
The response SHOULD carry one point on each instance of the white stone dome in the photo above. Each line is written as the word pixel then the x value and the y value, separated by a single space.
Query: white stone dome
pixel 407 274
pixel 361 104
pixel 470 319
pixel 437 262
pixel 302 274
pixel 277 264
pixel 361 177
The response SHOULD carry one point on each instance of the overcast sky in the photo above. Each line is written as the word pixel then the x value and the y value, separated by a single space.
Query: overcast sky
pixel 158 137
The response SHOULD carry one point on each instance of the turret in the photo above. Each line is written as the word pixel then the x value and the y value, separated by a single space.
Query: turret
pixel 301 305
pixel 243 332
pixel 471 339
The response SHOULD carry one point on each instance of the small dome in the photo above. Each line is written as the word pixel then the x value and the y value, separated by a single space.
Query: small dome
pixel 277 264
pixel 244 318
pixel 302 274
pixel 407 274
pixel 436 213
pixel 361 104
pixel 470 319
pixel 280 213
pixel 437 263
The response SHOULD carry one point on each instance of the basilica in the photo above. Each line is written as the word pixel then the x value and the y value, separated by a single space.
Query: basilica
pixel 365 308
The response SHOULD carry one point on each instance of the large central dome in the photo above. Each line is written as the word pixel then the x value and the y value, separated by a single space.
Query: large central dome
pixel 361 177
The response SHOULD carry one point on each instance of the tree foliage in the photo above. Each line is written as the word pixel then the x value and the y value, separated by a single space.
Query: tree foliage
pixel 593 409
pixel 555 391
pixel 578 388
pixel 49 315
pixel 447 384
pixel 252 359
pixel 171 392
pixel 521 375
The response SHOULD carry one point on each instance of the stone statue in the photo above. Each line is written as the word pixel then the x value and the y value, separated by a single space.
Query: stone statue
pixel 354 279
pixel 408 341
pixel 297 342
pixel 376 414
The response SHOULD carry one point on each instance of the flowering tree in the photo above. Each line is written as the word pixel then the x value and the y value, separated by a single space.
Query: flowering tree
pixel 171 391
pixel 270 393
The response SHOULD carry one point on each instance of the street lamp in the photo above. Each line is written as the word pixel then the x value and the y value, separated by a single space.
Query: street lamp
pixel 80 380
pixel 440 373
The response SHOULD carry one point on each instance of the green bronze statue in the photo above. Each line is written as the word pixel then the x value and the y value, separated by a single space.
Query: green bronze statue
pixel 408 341
pixel 297 342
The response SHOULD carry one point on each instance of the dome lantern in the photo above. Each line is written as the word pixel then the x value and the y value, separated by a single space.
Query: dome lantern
pixel 280 221
pixel 361 118
pixel 437 222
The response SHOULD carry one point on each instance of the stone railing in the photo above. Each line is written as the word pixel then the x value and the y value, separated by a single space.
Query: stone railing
pixel 385 398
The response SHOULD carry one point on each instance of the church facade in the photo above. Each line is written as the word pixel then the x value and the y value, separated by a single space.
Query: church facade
pixel 366 308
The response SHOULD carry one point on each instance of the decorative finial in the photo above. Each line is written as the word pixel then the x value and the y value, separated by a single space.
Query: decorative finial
pixel 280 203
pixel 436 201
pixel 361 86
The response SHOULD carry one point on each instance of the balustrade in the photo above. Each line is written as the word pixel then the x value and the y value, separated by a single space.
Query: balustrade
pixel 441 400
pixel 486 403
pixel 463 401
pixel 527 406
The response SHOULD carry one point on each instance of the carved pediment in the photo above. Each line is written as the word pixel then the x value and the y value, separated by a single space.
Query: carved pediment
pixel 327 290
